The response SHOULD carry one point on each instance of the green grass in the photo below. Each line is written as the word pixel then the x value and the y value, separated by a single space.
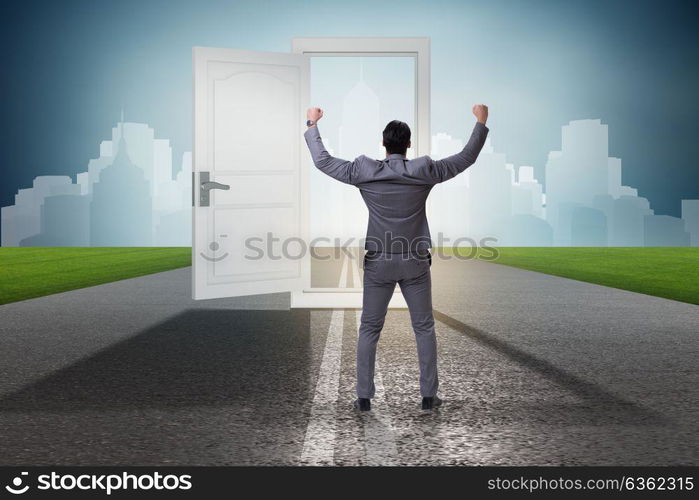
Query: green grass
pixel 33 272
pixel 669 272
pixel 672 273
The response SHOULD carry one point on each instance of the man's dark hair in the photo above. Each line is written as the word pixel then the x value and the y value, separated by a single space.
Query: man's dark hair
pixel 396 137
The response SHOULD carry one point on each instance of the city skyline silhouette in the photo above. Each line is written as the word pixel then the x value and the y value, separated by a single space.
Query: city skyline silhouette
pixel 538 68
pixel 130 196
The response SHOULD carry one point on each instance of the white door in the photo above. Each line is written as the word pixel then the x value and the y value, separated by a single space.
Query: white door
pixel 249 173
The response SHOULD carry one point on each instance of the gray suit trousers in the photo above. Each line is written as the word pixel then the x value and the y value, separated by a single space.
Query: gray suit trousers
pixel 381 273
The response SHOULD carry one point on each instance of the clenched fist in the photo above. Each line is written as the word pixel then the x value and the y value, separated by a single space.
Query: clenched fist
pixel 314 114
pixel 481 112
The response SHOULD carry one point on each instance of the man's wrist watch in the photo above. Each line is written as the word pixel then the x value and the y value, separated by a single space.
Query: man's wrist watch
pixel 310 123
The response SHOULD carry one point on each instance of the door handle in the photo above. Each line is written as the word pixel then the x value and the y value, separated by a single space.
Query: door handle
pixel 214 185
pixel 205 185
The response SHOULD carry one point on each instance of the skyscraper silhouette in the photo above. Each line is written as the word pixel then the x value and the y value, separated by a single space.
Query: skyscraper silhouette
pixel 121 207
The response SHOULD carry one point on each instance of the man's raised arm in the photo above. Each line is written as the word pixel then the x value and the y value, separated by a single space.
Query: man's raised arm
pixel 446 168
pixel 342 170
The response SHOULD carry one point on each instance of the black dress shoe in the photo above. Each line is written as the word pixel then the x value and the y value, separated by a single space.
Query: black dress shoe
pixel 362 404
pixel 430 403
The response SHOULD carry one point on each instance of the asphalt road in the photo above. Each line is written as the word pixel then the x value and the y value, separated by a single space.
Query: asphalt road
pixel 534 370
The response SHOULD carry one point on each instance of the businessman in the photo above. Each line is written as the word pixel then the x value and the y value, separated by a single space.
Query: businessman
pixel 398 239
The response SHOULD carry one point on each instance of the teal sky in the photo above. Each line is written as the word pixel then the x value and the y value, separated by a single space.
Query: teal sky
pixel 70 65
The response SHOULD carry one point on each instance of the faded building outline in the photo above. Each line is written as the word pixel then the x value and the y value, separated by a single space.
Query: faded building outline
pixel 129 196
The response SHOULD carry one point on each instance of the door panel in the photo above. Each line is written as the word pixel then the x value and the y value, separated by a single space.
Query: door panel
pixel 254 106
pixel 253 263
pixel 248 128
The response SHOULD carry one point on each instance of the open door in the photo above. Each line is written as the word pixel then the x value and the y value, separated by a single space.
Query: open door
pixel 250 209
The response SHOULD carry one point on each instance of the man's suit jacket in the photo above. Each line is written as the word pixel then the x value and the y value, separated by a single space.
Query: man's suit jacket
pixel 395 189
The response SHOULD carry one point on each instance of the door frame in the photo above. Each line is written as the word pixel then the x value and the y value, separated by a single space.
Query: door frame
pixel 419 49
pixel 416 47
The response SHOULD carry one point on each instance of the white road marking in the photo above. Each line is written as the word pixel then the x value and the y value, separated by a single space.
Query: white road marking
pixel 379 433
pixel 319 443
